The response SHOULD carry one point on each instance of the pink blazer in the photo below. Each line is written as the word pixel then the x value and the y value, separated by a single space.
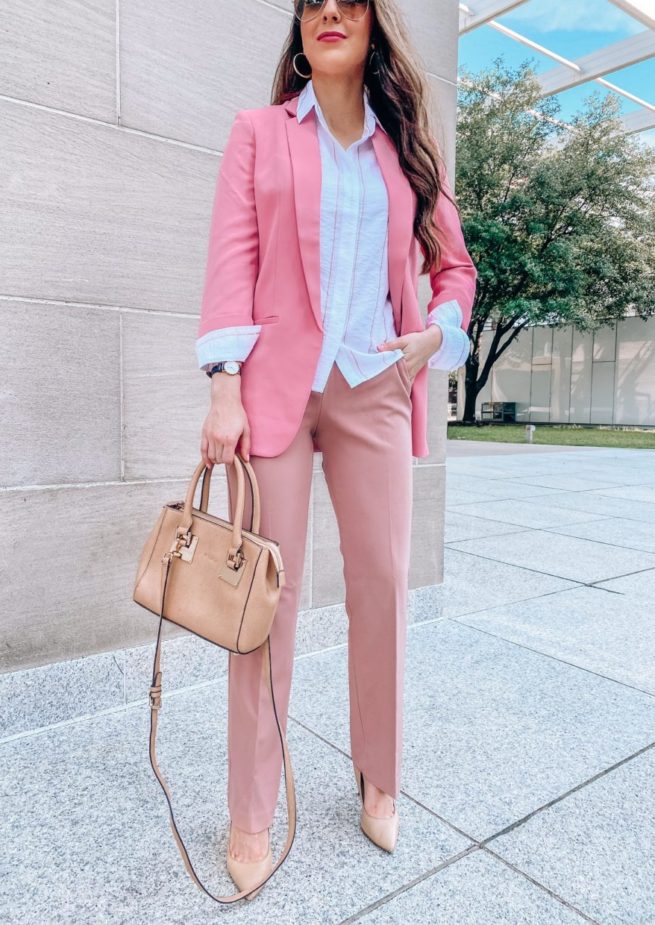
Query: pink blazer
pixel 263 266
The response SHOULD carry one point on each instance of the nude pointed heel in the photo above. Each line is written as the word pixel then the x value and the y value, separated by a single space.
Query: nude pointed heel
pixel 382 832
pixel 247 873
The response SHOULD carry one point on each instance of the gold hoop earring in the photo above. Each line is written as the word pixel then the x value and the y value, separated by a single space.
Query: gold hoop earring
pixel 293 62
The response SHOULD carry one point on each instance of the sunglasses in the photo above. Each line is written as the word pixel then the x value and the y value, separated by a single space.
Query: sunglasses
pixel 307 10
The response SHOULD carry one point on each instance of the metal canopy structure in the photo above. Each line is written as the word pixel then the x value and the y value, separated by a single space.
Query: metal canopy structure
pixel 589 68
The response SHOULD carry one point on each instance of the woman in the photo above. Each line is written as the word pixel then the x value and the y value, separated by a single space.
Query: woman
pixel 323 202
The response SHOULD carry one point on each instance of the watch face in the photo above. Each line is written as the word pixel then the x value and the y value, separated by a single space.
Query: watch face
pixel 231 366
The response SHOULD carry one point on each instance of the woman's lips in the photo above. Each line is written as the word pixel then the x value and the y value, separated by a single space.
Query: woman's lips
pixel 331 37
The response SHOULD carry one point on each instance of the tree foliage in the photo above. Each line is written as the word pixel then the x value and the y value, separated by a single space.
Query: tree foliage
pixel 558 217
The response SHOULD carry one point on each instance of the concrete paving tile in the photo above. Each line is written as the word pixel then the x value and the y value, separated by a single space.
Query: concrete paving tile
pixel 526 461
pixel 643 492
pixel 555 554
pixel 477 889
pixel 567 481
pixel 467 527
pixel 463 496
pixel 475 448
pixel 499 489
pixel 604 505
pixel 188 660
pixel 611 467
pixel 615 531
pixel 492 730
pixel 491 468
pixel 86 836
pixel 639 587
pixel 472 583
pixel 591 627
pixel 595 847
pixel 523 513
pixel 59 692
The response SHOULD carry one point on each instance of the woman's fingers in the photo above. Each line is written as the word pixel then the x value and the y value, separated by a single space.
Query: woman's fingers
pixel 218 444
pixel 245 442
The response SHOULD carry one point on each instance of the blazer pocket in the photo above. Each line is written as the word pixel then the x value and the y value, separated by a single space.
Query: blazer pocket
pixel 266 319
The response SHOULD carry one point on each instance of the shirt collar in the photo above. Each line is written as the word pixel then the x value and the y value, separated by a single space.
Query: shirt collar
pixel 307 100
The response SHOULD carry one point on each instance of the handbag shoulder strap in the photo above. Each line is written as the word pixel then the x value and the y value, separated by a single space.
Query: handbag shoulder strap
pixel 155 705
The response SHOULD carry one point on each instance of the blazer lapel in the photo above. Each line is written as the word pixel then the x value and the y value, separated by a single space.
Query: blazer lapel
pixel 402 205
pixel 306 167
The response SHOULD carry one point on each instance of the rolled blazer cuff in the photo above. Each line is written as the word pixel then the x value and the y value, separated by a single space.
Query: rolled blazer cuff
pixel 456 345
pixel 232 343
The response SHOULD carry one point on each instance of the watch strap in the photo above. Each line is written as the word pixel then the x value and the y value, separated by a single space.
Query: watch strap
pixel 219 367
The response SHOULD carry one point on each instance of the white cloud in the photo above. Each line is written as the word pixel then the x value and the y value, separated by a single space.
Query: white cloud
pixel 589 16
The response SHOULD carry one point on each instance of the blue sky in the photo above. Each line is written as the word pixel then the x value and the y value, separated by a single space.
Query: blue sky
pixel 572 29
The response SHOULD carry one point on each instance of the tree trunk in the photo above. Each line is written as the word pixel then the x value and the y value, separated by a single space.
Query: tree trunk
pixel 470 390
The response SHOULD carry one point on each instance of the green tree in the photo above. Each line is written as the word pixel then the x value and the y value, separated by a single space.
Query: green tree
pixel 559 218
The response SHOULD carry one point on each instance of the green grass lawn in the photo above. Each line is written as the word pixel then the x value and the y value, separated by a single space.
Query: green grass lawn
pixel 562 435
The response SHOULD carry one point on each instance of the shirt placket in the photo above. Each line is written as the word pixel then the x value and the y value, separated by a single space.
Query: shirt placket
pixel 347 249
pixel 348 205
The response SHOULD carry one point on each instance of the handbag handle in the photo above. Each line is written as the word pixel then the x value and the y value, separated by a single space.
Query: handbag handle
pixel 184 527
pixel 254 492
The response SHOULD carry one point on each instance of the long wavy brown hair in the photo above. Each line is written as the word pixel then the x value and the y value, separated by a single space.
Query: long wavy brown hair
pixel 399 94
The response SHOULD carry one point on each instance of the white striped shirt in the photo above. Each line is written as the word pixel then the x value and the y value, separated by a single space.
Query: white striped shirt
pixel 355 302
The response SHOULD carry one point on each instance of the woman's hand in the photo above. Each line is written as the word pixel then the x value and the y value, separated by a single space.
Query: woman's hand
pixel 417 346
pixel 225 423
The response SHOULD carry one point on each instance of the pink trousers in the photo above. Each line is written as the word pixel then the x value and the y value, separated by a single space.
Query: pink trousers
pixel 364 435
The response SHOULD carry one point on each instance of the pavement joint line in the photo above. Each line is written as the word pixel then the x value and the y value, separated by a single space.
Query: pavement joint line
pixel 509 532
pixel 143 701
pixel 472 613
pixel 406 887
pixel 451 825
pixel 553 492
pixel 563 796
pixel 453 509
pixel 528 568
pixel 556 532
pixel 544 499
pixel 522 528
pixel 542 886
pixel 108 711
pixel 549 655
pixel 482 843
pixel 516 480
pixel 608 590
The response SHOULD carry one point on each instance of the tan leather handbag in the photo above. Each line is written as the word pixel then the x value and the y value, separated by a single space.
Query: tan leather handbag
pixel 222 583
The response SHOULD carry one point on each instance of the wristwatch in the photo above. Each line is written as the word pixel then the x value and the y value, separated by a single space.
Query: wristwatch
pixel 233 367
